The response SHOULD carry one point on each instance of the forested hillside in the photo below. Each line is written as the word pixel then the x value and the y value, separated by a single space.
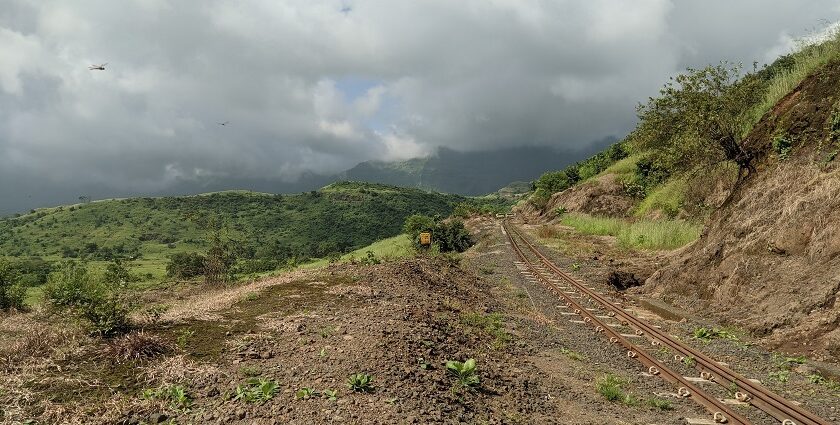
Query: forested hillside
pixel 338 218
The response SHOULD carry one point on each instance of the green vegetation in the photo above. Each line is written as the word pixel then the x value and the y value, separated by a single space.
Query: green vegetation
pixel 706 334
pixel 256 390
pixel 12 294
pixel 782 146
pixel 699 120
pixel 557 181
pixel 360 382
pixel 329 394
pixel 779 376
pixel 613 389
pixel 447 235
pixel 643 234
pixel 176 395
pixel 660 403
pixel 787 72
pixel 465 372
pixel 305 393
pixel 574 355
pixel 277 230
pixel 668 198
pixel 492 324
pixel 73 287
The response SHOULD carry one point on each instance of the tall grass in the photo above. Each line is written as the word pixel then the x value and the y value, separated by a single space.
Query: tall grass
pixel 640 234
pixel 623 166
pixel 668 198
pixel 806 61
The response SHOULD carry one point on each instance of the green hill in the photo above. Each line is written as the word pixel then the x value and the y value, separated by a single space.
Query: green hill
pixel 338 218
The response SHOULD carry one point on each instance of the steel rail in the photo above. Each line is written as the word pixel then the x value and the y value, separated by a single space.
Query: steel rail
pixel 721 413
pixel 756 394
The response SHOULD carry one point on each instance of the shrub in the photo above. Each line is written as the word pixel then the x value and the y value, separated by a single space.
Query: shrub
pixel 73 287
pixel 782 146
pixel 465 372
pixel 185 265
pixel 453 236
pixel 360 382
pixel 12 293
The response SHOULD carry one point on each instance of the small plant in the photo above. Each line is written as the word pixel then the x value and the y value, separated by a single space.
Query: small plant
pixel 816 378
pixel 323 352
pixel 559 211
pixel 330 394
pixel 611 387
pixel 779 376
pixel 688 361
pixel 325 332
pixel 660 403
pixel 184 335
pixel 360 382
pixel 250 371
pixel 706 335
pixel 251 296
pixel 256 390
pixel 574 355
pixel 732 389
pixel 782 146
pixel 177 396
pixel 575 266
pixel 305 393
pixel 465 372
pixel 423 364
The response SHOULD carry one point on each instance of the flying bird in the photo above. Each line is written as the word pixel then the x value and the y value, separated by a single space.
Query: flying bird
pixel 223 123
pixel 346 9
pixel 98 67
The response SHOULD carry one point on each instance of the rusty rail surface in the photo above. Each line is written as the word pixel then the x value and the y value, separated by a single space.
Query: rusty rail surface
pixel 785 411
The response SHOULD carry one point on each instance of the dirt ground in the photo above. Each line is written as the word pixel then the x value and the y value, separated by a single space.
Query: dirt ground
pixel 399 322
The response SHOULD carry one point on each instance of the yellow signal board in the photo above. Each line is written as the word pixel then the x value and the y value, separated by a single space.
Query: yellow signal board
pixel 425 238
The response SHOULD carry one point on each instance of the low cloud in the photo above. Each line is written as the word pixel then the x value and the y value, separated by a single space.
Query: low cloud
pixel 319 86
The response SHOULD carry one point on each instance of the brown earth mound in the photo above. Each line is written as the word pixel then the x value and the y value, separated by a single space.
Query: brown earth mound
pixel 769 261
pixel 603 196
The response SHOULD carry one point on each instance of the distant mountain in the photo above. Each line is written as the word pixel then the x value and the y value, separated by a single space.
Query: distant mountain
pixel 447 170
pixel 471 173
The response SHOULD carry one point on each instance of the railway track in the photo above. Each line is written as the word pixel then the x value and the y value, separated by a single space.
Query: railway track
pixel 569 289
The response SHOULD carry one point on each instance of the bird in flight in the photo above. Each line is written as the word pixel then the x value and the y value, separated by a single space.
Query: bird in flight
pixel 98 67
pixel 223 123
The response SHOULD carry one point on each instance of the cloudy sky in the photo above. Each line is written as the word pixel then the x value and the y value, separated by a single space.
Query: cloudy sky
pixel 320 85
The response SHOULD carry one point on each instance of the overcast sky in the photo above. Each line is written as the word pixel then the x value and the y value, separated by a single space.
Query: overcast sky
pixel 321 85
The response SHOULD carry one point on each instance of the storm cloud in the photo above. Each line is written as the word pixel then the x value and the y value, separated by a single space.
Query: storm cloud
pixel 311 86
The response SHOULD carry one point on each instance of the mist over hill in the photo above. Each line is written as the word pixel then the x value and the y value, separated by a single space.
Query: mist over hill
pixel 447 170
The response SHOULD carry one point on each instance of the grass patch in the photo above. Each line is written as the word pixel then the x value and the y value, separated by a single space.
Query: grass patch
pixel 667 198
pixel 642 234
pixel 613 389
pixel 492 324
pixel 573 355
pixel 388 249
pixel 624 166
pixel 806 61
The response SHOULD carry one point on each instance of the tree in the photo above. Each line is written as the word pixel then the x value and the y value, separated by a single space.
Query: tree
pixel 698 119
